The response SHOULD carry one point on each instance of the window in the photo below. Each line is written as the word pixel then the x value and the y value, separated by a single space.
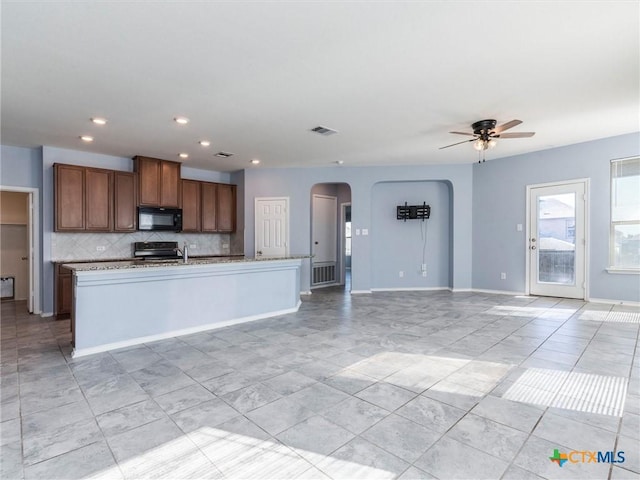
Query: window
pixel 625 214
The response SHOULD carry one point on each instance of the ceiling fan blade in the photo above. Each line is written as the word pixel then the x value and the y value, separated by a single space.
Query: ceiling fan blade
pixel 454 144
pixel 463 133
pixel 507 126
pixel 515 135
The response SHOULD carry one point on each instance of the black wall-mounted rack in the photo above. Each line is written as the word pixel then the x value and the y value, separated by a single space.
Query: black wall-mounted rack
pixel 410 212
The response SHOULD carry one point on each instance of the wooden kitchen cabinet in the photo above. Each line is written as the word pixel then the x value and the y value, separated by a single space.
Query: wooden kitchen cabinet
pixel 208 207
pixel 226 208
pixel 158 182
pixel 191 201
pixel 209 192
pixel 98 200
pixel 94 199
pixel 170 184
pixel 124 188
pixel 63 291
pixel 69 197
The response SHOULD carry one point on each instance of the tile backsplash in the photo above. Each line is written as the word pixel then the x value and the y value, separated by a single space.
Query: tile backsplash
pixel 89 246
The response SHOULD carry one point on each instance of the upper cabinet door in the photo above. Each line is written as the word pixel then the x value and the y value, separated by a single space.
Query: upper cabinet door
pixel 69 198
pixel 209 207
pixel 226 208
pixel 158 182
pixel 148 180
pixel 190 206
pixel 124 201
pixel 98 200
pixel 170 184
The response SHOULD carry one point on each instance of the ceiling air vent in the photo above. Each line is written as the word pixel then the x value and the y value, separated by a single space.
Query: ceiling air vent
pixel 324 130
pixel 224 154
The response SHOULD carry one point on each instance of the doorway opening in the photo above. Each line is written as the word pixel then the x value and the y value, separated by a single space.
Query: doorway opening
pixel 345 222
pixel 19 223
pixel 331 235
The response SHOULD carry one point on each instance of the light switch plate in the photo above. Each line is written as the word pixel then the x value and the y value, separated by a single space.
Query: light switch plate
pixel 365 231
pixel 357 231
pixel 519 227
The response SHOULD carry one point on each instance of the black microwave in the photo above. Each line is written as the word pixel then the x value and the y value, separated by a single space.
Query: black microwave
pixel 154 218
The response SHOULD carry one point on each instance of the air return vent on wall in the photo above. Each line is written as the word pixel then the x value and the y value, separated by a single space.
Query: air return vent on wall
pixel 324 130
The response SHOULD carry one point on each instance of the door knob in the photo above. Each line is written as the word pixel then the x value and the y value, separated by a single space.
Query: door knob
pixel 259 252
pixel 316 243
pixel 25 258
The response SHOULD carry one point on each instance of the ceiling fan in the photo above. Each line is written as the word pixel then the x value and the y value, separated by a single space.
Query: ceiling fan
pixel 485 134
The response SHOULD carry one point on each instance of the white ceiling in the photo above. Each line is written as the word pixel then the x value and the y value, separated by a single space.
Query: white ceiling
pixel 253 77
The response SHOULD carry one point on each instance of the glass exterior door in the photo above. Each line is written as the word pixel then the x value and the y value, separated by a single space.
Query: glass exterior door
pixel 556 241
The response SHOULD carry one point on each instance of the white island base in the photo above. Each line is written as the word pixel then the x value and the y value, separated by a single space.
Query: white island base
pixel 119 306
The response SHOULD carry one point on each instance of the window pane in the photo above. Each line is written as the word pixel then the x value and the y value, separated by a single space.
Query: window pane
pixel 625 213
pixel 626 245
pixel 556 238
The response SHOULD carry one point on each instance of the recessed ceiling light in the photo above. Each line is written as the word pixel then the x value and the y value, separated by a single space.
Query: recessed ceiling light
pixel 183 155
pixel 224 154
pixel 86 138
pixel 255 161
pixel 205 143
pixel 99 120
pixel 181 120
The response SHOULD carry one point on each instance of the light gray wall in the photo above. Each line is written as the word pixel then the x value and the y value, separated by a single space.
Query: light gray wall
pixel 205 175
pixel 237 238
pixel 296 183
pixel 20 167
pixel 398 245
pixel 499 203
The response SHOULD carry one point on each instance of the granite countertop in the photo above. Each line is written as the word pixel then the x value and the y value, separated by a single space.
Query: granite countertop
pixel 129 263
pixel 133 259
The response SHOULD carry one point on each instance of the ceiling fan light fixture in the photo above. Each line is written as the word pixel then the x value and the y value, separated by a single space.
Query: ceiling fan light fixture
pixel 479 145
pixel 492 143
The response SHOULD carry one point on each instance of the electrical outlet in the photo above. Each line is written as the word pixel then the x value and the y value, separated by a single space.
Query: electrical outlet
pixel 401 274
pixel 225 245
pixel 101 248
pixel 423 268
pixel 193 246
pixel 424 273
pixel 503 276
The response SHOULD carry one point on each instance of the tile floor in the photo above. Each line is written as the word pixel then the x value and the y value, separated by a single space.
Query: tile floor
pixel 391 385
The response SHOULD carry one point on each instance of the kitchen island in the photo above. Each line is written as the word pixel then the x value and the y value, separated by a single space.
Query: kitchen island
pixel 123 303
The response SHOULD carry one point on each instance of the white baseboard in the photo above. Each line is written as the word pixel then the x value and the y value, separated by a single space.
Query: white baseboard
pixel 358 292
pixel 46 314
pixel 306 292
pixel 177 333
pixel 409 289
pixel 497 292
pixel 613 302
pixel 460 290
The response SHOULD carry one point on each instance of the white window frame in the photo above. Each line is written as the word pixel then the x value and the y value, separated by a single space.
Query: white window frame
pixel 613 268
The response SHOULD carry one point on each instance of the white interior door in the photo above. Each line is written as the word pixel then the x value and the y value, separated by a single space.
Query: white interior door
pixel 557 240
pixel 324 239
pixel 272 226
